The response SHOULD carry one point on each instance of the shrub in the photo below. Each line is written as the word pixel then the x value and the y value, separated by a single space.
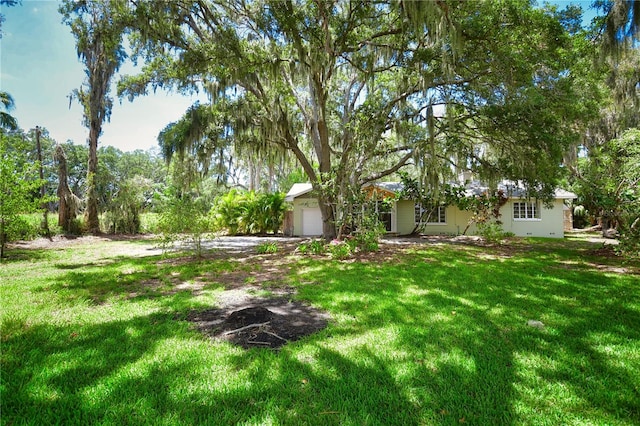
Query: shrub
pixel 267 248
pixel 492 232
pixel 249 212
pixel 312 247
pixel 183 220
pixel 149 223
pixel 339 249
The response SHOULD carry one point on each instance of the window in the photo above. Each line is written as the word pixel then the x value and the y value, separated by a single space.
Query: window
pixel 526 210
pixel 431 214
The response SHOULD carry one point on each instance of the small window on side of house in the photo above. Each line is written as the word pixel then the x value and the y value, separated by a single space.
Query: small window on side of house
pixel 526 210
pixel 429 215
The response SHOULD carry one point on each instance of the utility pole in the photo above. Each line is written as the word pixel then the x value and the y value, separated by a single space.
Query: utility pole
pixel 43 189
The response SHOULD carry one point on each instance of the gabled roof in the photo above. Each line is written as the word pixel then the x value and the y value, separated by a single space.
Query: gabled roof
pixel 511 189
pixel 394 187
pixel 297 190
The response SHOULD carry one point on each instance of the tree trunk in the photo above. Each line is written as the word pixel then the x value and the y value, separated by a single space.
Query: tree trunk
pixel 328 218
pixel 3 238
pixel 68 203
pixel 43 190
pixel 92 221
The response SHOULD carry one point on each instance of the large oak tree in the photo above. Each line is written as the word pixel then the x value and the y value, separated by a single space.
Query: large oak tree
pixel 350 87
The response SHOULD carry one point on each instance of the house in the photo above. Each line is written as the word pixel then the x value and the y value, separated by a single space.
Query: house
pixel 520 215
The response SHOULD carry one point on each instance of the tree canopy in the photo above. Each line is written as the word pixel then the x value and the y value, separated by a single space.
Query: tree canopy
pixel 355 91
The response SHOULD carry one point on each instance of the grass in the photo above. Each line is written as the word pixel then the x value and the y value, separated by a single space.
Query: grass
pixel 434 335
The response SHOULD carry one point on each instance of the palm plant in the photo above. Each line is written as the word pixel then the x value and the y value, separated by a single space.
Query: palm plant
pixel 7 121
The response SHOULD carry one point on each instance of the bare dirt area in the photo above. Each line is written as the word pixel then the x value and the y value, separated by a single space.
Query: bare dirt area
pixel 260 322
pixel 117 244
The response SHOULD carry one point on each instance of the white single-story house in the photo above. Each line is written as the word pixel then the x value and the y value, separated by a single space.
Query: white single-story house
pixel 520 215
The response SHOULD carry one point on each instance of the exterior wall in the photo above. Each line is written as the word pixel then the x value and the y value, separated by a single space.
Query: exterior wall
pixel 550 224
pixel 299 204
pixel 456 221
pixel 404 217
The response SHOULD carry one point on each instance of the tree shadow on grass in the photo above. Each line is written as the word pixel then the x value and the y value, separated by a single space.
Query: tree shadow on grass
pixel 465 319
pixel 49 371
pixel 132 279
pixel 151 370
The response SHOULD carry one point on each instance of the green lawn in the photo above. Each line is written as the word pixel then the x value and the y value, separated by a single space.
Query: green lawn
pixel 433 334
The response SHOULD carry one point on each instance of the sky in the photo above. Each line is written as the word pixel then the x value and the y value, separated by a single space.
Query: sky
pixel 39 68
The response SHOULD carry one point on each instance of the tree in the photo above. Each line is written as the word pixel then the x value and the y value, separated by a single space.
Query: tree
pixel 69 203
pixel 349 88
pixel 18 184
pixel 608 186
pixel 620 26
pixel 98 33
pixel 7 121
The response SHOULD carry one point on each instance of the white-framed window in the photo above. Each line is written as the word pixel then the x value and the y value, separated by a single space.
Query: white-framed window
pixel 430 214
pixel 526 210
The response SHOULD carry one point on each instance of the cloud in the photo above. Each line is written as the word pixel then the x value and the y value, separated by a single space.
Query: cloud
pixel 7 77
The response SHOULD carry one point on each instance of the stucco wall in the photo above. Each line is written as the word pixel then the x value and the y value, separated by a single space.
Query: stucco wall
pixel 550 223
pixel 299 204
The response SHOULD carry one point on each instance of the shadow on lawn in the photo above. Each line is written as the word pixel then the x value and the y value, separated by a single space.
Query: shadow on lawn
pixel 457 336
pixel 48 369
pixel 129 372
pixel 465 320
pixel 124 278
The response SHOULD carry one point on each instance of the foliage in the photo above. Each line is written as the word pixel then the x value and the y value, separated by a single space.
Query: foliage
pixel 492 232
pixel 98 31
pixel 367 236
pixel 447 194
pixel 184 220
pixel 352 97
pixel 247 212
pixel 608 186
pixel 315 247
pixel 338 249
pixel 123 211
pixel 267 248
pixel 7 121
pixel 19 184
pixel 484 208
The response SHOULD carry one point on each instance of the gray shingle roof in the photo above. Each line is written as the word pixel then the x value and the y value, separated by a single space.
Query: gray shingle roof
pixel 512 189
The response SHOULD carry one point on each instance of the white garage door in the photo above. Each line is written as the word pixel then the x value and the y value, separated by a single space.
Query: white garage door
pixel 311 222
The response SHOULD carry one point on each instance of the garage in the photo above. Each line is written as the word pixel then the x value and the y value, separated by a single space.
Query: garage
pixel 311 222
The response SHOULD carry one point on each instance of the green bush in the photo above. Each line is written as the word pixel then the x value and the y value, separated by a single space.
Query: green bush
pixel 249 212
pixel 149 223
pixel 24 227
pixel 183 220
pixel 316 247
pixel 267 248
pixel 492 232
pixel 339 249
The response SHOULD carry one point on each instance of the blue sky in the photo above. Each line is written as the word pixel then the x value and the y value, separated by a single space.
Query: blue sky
pixel 39 68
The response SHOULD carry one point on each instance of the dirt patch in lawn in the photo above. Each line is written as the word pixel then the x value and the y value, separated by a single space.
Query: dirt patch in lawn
pixel 260 322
